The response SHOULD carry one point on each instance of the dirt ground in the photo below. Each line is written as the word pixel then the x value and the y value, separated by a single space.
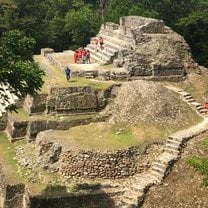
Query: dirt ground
pixel 183 187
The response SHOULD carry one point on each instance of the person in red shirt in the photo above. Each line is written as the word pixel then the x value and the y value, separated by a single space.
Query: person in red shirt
pixel 75 56
pixel 206 105
pixel 79 56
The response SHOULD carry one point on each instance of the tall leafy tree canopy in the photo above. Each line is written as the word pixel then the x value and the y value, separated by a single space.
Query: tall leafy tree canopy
pixel 61 24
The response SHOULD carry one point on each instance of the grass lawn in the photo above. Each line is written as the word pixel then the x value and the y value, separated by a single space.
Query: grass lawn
pixel 7 158
pixel 60 80
pixel 201 163
pixel 101 136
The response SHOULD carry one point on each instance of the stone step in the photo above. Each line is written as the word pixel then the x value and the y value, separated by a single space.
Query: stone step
pixel 165 158
pixel 173 141
pixel 184 94
pixel 190 100
pixel 129 202
pixel 200 108
pixel 157 174
pixel 172 151
pixel 110 43
pixel 116 41
pixel 196 104
pixel 100 57
pixel 91 47
pixel 140 187
pixel 132 194
pixel 158 169
pixel 161 165
pixel 97 59
pixel 188 96
pixel 173 146
pixel 203 110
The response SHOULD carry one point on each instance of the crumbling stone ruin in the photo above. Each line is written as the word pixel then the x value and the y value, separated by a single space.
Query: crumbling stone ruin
pixel 144 47
pixel 140 48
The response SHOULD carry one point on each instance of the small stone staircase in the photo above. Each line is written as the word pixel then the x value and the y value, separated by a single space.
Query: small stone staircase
pixel 189 99
pixel 135 193
pixel 111 48
pixel 90 74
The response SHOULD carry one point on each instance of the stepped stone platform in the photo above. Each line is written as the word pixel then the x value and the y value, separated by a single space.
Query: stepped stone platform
pixel 144 48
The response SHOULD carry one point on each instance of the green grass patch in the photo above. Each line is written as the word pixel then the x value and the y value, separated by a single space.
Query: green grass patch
pixel 205 143
pixel 102 136
pixel 8 157
pixel 60 80
pixel 19 115
pixel 201 165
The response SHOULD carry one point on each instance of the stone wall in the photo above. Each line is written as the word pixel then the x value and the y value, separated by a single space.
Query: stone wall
pixel 46 51
pixel 11 196
pixel 97 164
pixel 71 162
pixel 72 100
pixel 35 104
pixel 14 196
pixel 16 129
pixel 36 126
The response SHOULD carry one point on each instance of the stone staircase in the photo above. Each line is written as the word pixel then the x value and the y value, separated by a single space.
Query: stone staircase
pixel 11 98
pixel 189 99
pixel 111 48
pixel 135 193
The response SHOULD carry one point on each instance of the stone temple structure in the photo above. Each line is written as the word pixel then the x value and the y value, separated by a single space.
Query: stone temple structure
pixel 144 47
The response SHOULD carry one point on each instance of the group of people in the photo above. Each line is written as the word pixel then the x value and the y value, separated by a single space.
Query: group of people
pixel 82 56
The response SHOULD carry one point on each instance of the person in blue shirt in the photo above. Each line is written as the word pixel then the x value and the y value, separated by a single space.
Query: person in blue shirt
pixel 68 73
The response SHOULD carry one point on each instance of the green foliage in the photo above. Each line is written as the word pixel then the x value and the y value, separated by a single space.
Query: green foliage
pixel 119 8
pixel 80 23
pixel 17 67
pixel 205 142
pixel 194 27
pixel 63 23
pixel 17 46
pixel 200 164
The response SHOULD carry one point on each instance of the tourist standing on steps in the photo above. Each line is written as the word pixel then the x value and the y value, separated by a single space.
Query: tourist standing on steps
pixel 100 40
pixel 95 41
pixel 68 73
pixel 88 57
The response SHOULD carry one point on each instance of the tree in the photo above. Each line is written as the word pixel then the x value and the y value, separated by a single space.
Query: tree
pixel 81 23
pixel 17 68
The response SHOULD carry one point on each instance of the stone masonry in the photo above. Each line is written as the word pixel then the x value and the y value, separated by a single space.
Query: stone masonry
pixel 144 48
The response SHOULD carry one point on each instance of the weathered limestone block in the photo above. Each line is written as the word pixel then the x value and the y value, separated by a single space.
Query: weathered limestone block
pixel 45 51
pixel 34 127
pixel 17 129
pixel 72 100
pixel 14 195
pixel 36 103
pixel 140 70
